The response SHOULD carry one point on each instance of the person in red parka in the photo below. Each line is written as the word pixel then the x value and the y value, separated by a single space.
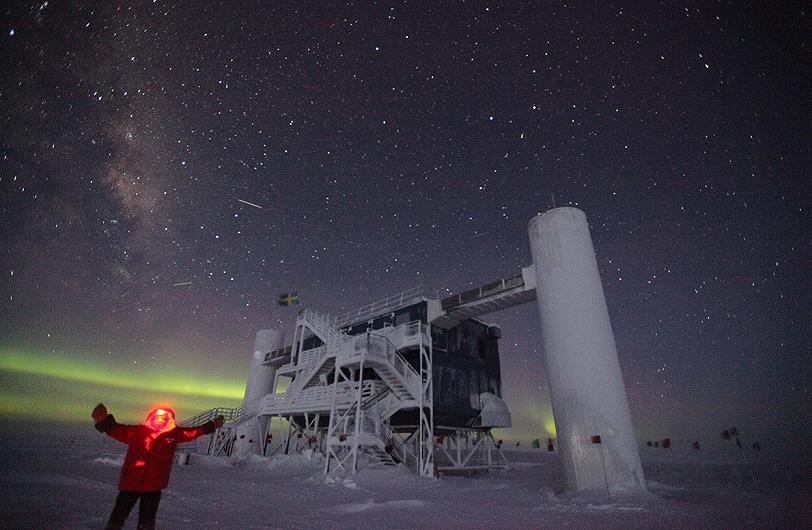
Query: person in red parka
pixel 150 452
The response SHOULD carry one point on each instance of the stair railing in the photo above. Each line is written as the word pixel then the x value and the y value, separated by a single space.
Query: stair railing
pixel 335 339
pixel 228 414
pixel 380 346
pixel 321 325
pixel 390 439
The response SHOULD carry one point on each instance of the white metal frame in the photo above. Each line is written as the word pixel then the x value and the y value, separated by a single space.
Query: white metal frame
pixel 337 447
pixel 470 450
pixel 358 418
pixel 352 427
pixel 426 404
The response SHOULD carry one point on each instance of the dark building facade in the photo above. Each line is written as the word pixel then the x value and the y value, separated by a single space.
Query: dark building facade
pixel 465 364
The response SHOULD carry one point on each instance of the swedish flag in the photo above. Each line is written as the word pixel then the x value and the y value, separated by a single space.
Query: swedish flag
pixel 288 298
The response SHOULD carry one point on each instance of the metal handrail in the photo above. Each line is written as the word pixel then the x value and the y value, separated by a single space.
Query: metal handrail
pixel 337 338
pixel 385 433
pixel 227 413
pixel 491 289
pixel 306 373
pixel 321 323
pixel 230 415
pixel 278 354
pixel 372 400
pixel 381 305
pixel 386 406
pixel 390 353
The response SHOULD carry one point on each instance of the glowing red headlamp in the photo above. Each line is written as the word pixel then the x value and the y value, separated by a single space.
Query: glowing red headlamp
pixel 161 419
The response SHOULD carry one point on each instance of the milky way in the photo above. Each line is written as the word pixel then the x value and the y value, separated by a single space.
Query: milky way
pixel 169 170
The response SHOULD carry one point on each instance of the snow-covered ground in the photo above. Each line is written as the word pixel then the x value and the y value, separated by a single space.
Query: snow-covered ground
pixel 64 476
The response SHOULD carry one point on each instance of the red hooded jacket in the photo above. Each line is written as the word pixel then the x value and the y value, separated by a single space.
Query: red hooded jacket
pixel 149 460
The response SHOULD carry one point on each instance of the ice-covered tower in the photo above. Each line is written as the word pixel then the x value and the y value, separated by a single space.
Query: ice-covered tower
pixel 260 377
pixel 260 382
pixel 586 386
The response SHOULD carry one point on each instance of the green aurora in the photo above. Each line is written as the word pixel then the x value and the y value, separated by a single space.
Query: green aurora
pixel 63 388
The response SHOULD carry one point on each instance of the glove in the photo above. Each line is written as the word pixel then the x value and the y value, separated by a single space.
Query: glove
pixel 218 422
pixel 99 413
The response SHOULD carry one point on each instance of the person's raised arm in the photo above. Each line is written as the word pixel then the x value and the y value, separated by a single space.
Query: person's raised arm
pixel 107 424
pixel 190 433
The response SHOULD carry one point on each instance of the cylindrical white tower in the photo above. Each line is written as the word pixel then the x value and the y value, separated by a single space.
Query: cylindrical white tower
pixel 260 377
pixel 596 441
pixel 259 383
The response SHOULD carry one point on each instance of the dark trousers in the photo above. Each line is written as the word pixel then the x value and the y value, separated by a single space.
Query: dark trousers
pixel 146 511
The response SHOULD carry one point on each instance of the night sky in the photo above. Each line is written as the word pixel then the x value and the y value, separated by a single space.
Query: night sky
pixel 390 145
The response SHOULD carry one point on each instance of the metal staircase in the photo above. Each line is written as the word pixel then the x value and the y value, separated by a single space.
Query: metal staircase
pixel 220 442
pixel 363 425
pixel 359 409
pixel 360 381
pixel 379 353
pixel 315 361
pixel 312 367
pixel 356 384
pixel 320 325
pixel 387 406
pixel 216 440
pixel 394 446
pixel 381 457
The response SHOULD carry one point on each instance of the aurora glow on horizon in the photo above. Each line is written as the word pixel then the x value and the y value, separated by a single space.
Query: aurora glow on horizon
pixel 160 380
pixel 66 388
